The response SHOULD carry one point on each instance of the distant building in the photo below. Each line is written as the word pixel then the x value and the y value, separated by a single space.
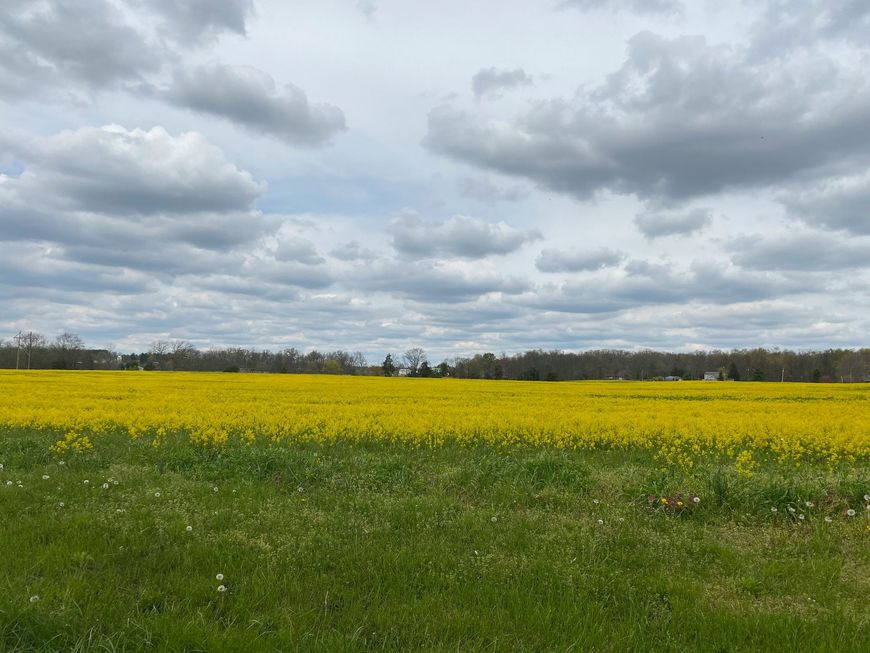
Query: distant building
pixel 403 371
pixel 711 376
pixel 673 378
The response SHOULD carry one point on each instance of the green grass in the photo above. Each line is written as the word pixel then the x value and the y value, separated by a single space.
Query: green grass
pixel 385 547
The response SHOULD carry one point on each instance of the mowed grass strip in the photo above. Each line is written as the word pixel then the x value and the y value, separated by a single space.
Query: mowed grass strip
pixel 368 546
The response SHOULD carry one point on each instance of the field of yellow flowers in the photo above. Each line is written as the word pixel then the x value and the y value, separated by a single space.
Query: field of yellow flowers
pixel 680 422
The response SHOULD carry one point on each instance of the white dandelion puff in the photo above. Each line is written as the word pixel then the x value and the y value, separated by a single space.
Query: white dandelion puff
pixel 851 512
pixel 774 509
pixel 219 577
pixel 45 477
pixel 300 489
pixel 61 463
pixel 215 488
pixel 222 588
pixel 9 483
pixel 189 529
pixel 600 522
pixel 61 504
pixel 828 519
pixel 801 516
pixel 105 486
pixel 493 519
pixel 792 510
pixel 696 499
pixel 157 494
pixel 866 496
pixel 595 501
pixel 809 504
pixel 34 598
pixel 86 482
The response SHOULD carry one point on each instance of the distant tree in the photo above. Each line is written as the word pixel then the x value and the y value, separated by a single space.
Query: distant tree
pixel 817 375
pixel 388 366
pixel 444 368
pixel 758 374
pixel 425 370
pixel 332 366
pixel 733 372
pixel 412 359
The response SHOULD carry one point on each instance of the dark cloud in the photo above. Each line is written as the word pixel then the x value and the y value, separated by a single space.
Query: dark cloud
pixel 249 97
pixel 488 82
pixel 62 40
pixel 458 236
pixel 839 204
pixel 194 20
pixel 681 118
pixel 658 223
pixel 577 260
pixel 806 251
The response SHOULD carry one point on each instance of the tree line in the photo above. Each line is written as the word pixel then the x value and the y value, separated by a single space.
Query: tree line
pixel 68 351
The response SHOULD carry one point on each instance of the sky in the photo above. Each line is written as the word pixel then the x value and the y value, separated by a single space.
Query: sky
pixel 375 175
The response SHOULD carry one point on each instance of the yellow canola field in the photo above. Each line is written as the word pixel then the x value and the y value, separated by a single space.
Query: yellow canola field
pixel 681 422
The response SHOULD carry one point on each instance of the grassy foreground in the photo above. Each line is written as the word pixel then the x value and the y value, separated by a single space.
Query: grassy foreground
pixel 347 547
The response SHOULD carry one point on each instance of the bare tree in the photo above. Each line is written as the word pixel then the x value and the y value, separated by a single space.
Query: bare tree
pixel 412 359
pixel 30 342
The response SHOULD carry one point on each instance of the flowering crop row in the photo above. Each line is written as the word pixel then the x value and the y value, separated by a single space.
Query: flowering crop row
pixel 681 422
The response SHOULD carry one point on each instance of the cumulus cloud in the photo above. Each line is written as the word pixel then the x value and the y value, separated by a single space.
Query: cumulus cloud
pixel 194 20
pixel 458 236
pixel 658 223
pixel 118 171
pixel 131 198
pixel 578 260
pixel 489 82
pixel 353 251
pixel 56 40
pixel 300 250
pixel 681 118
pixel 249 97
pixel 805 251
pixel 785 25
pixel 838 203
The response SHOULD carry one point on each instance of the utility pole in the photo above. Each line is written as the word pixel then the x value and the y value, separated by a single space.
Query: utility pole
pixel 18 350
pixel 782 380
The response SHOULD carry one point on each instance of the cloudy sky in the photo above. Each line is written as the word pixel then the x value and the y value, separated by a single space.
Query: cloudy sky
pixel 376 174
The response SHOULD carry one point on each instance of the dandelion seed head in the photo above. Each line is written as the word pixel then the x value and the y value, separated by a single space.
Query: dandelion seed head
pixel 8 482
pixel 600 522
pixel 34 598
pixel 828 519
pixel 851 512
pixel 86 482
pixel 493 519
pixel 105 486
pixel 867 497
pixel 45 477
pixel 809 504
pixel 774 509
pixel 61 463
pixel 222 588
pixel 189 529
pixel 300 489
pixel 696 499
pixel 157 494
pixel 61 504
pixel 215 488
pixel 219 577
pixel 801 516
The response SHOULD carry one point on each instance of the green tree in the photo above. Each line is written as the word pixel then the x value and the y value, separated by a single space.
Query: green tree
pixel 733 372
pixel 388 366
pixel 425 370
